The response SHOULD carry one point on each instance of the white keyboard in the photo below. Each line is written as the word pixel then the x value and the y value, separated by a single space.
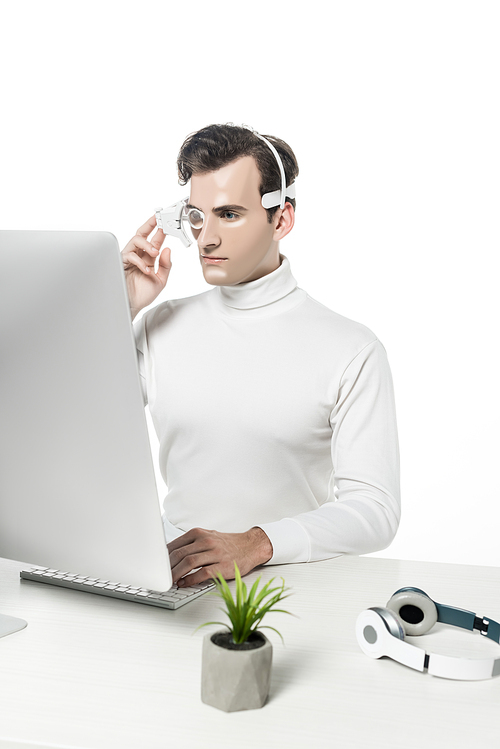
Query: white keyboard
pixel 167 599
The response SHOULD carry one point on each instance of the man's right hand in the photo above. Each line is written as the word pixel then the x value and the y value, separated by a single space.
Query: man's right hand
pixel 143 284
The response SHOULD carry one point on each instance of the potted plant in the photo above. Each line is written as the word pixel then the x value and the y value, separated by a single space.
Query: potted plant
pixel 236 664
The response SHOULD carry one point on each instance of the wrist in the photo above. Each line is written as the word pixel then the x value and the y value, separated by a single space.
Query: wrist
pixel 263 548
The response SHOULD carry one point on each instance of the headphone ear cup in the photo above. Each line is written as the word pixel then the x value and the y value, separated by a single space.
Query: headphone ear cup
pixel 375 629
pixel 417 611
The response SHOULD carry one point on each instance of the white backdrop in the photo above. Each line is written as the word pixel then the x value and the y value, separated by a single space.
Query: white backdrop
pixel 393 111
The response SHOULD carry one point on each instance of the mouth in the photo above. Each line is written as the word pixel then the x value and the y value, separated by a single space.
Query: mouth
pixel 213 260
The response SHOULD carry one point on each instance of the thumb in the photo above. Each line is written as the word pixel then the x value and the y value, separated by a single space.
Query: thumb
pixel 164 265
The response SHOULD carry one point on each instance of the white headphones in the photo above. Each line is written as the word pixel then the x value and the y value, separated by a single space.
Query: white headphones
pixel 410 611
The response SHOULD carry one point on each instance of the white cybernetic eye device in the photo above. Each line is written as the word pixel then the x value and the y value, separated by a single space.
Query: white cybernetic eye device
pixel 177 219
pixel 173 221
pixel 381 632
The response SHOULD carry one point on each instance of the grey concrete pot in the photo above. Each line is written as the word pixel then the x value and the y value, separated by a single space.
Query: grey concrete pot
pixel 235 679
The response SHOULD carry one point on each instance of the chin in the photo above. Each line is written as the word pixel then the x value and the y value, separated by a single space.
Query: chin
pixel 216 277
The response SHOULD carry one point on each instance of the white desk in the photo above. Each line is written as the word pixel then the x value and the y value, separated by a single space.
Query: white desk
pixel 90 671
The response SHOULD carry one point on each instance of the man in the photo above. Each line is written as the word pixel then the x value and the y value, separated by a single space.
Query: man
pixel 275 415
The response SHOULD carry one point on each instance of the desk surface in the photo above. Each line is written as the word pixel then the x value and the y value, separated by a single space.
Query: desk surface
pixel 90 671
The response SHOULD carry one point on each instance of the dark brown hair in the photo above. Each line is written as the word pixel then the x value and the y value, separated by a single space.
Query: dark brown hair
pixel 215 146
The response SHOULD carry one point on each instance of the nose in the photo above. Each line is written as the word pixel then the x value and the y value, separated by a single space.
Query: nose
pixel 208 238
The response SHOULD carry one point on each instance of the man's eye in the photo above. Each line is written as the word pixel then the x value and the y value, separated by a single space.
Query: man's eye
pixel 230 215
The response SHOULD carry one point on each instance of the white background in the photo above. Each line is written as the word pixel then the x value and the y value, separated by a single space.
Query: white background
pixel 393 111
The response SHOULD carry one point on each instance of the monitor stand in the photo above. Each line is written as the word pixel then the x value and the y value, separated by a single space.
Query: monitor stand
pixel 10 624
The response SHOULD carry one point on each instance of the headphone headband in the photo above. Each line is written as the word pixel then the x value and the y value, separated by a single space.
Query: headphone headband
pixel 277 197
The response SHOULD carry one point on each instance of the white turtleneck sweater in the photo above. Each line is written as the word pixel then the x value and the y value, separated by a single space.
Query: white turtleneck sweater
pixel 273 411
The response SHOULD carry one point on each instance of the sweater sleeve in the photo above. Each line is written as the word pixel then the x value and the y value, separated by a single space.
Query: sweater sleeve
pixel 363 514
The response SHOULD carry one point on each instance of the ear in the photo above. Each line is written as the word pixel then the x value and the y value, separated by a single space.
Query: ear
pixel 284 219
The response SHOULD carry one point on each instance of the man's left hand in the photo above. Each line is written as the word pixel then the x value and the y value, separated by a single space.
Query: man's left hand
pixel 214 552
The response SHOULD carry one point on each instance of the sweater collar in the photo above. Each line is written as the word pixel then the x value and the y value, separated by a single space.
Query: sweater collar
pixel 264 291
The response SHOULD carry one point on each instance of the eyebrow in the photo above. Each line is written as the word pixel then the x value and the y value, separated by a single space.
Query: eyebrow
pixel 222 208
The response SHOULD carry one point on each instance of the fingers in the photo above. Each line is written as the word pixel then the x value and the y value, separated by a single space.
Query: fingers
pixel 144 263
pixel 194 549
pixel 196 562
pixel 141 244
pixel 188 547
pixel 186 538
pixel 158 238
pixel 201 576
pixel 141 253
pixel 146 229
pixel 164 265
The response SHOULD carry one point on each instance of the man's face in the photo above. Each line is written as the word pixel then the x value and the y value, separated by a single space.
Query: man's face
pixel 236 242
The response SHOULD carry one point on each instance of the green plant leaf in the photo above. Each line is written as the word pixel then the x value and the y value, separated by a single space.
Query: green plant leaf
pixel 206 624
pixel 246 610
pixel 254 590
pixel 266 626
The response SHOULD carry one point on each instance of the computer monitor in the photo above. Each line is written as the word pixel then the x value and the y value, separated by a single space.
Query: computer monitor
pixel 77 484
